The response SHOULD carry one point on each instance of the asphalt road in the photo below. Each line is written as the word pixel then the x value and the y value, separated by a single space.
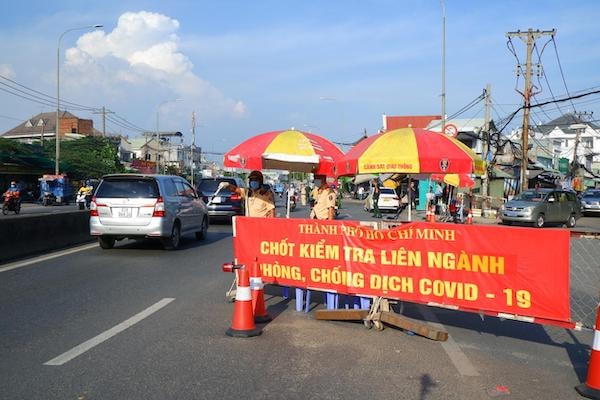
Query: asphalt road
pixel 177 347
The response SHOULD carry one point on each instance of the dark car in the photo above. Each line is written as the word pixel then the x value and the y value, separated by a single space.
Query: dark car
pixel 590 202
pixel 223 204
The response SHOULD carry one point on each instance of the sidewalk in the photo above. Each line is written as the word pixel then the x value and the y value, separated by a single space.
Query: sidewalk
pixel 418 216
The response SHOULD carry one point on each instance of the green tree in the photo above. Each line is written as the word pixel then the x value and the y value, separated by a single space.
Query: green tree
pixel 29 156
pixel 88 157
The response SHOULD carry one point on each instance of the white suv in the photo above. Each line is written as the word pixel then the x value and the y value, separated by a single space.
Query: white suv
pixel 388 200
pixel 146 206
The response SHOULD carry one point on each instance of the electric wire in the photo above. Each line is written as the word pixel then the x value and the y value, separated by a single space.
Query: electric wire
pixel 561 70
pixel 39 97
pixel 37 92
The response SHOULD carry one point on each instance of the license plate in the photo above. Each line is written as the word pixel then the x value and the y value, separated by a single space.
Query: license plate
pixel 216 200
pixel 124 212
pixel 511 214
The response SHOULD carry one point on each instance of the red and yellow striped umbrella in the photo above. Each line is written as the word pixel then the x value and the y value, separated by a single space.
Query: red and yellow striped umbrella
pixel 289 150
pixel 456 180
pixel 410 151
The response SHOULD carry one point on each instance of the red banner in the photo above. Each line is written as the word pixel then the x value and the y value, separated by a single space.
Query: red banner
pixel 520 272
pixel 144 166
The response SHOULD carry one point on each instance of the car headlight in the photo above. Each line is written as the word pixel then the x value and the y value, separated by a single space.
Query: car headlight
pixel 528 210
pixel 583 203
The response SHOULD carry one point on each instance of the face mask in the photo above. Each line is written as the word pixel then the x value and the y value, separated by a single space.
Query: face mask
pixel 317 183
pixel 254 185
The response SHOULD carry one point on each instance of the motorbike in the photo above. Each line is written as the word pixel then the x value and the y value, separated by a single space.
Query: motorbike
pixel 12 202
pixel 48 199
pixel 293 200
pixel 83 200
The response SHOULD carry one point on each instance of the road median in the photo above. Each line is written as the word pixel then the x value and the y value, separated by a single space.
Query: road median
pixel 36 234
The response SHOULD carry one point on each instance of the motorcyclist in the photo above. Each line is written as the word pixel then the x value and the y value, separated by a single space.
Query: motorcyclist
pixel 13 192
pixel 84 195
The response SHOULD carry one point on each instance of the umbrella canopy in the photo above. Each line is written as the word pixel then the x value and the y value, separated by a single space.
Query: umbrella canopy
pixel 289 150
pixel 457 180
pixel 410 151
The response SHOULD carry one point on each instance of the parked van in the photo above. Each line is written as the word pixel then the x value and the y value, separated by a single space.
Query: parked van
pixel 146 206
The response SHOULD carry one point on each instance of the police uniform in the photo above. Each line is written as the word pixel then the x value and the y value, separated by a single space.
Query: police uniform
pixel 324 200
pixel 258 204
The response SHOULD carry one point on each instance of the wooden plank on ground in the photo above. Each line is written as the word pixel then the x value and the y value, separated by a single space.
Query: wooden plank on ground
pixel 418 327
pixel 341 315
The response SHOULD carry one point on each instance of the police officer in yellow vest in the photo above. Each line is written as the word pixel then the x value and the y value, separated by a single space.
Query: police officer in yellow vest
pixel 259 200
pixel 324 208
pixel 324 197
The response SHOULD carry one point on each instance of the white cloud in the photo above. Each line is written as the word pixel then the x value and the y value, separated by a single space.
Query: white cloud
pixel 7 71
pixel 142 51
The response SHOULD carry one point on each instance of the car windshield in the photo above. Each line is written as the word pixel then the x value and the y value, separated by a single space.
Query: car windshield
pixel 387 191
pixel 211 185
pixel 126 188
pixel 531 196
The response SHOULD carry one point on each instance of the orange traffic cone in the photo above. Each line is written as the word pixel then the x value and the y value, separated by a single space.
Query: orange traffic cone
pixel 242 324
pixel 427 215
pixel 470 218
pixel 591 387
pixel 432 213
pixel 258 295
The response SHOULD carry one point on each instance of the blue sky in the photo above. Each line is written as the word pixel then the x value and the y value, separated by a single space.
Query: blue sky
pixel 330 67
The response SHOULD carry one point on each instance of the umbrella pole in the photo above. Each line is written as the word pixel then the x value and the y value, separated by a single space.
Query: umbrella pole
pixel 287 206
pixel 409 200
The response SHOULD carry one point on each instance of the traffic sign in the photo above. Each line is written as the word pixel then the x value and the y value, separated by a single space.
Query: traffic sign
pixel 451 130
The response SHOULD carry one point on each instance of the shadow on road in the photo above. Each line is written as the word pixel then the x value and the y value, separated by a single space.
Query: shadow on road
pixel 187 242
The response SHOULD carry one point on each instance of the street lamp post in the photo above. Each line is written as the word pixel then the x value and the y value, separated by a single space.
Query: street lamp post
pixel 158 132
pixel 57 130
pixel 443 66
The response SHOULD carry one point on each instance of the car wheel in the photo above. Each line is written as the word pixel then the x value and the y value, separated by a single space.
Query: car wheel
pixel 106 242
pixel 571 221
pixel 201 234
pixel 540 221
pixel 172 242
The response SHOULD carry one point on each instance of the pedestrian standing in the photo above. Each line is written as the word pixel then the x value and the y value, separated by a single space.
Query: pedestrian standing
pixel 376 193
pixel 412 194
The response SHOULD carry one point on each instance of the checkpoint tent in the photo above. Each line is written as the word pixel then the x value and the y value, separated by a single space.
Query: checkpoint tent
pixel 289 150
pixel 410 151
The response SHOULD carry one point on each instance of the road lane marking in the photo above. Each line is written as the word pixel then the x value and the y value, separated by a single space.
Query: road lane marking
pixel 20 264
pixel 452 349
pixel 95 341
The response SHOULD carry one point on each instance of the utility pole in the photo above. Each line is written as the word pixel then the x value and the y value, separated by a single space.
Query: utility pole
pixel 529 38
pixel 579 128
pixel 486 137
pixel 103 112
pixel 193 146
